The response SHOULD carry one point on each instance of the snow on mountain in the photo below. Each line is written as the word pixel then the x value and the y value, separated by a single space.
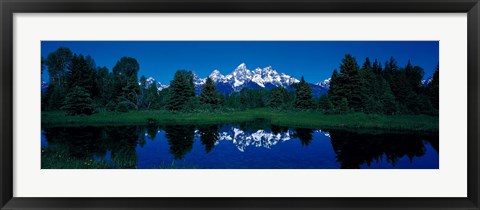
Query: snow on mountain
pixel 197 80
pixel 149 81
pixel 216 76
pixel 242 139
pixel 262 77
pixel 260 138
pixel 161 86
pixel 324 83
pixel 425 82
pixel 242 77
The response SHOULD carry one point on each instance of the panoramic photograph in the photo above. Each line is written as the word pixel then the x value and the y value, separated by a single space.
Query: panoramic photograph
pixel 239 105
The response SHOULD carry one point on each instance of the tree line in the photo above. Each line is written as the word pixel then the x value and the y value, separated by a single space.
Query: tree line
pixel 376 89
pixel 80 87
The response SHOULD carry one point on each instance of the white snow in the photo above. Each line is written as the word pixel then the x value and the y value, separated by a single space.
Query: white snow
pixel 325 83
pixel 241 76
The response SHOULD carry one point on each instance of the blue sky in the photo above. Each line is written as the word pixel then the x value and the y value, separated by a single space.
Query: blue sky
pixel 313 59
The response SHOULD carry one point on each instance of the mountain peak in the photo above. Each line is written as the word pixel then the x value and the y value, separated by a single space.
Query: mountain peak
pixel 325 83
pixel 241 77
pixel 215 73
pixel 150 80
pixel 197 80
pixel 216 76
pixel 242 69
pixel 242 66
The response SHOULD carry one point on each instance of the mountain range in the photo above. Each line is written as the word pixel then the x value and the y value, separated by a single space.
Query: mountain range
pixel 242 77
pixel 242 139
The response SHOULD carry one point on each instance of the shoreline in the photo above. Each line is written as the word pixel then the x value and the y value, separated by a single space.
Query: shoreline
pixel 304 119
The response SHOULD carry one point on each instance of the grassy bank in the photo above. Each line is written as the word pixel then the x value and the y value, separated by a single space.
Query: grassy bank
pixel 292 119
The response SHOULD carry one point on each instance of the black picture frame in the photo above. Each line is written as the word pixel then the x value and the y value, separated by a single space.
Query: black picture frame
pixel 9 7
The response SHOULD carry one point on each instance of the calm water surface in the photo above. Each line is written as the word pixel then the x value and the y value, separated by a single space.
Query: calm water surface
pixel 248 146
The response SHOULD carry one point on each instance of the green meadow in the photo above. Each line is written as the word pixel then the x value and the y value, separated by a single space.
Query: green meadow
pixel 306 119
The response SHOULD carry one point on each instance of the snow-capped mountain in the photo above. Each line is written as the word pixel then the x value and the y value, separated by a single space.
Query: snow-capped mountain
pixel 425 82
pixel 260 77
pixel 324 83
pixel 241 77
pixel 267 78
pixel 149 81
pixel 198 81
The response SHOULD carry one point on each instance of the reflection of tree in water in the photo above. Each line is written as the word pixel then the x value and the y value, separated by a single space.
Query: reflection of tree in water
pixel 152 131
pixel 180 138
pixel 254 125
pixel 354 149
pixel 305 135
pixel 77 142
pixel 276 129
pixel 122 142
pixel 208 136
pixel 80 144
pixel 433 141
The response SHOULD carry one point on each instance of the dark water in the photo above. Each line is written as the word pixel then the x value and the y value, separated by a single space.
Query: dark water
pixel 247 146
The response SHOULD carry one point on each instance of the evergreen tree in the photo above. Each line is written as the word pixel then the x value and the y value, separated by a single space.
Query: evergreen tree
pixel 349 69
pixel 163 96
pixel 182 91
pixel 104 85
pixel 390 69
pixel 369 88
pixel 324 104
pixel 347 84
pixel 433 90
pixel 143 82
pixel 401 88
pixel 58 63
pixel 143 90
pixel 349 66
pixel 367 65
pixel 152 97
pixel 243 97
pixel 78 102
pixel 303 99
pixel 335 92
pixel 82 73
pixel 125 71
pixel 125 88
pixel 387 99
pixel 371 105
pixel 278 98
pixel 414 75
pixel 209 94
pixel 131 94
pixel 343 106
pixel 54 97
pixel 377 67
pixel 232 101
pixel 253 98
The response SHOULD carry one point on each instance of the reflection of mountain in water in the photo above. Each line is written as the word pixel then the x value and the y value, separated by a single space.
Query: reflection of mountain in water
pixel 259 138
pixel 121 146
